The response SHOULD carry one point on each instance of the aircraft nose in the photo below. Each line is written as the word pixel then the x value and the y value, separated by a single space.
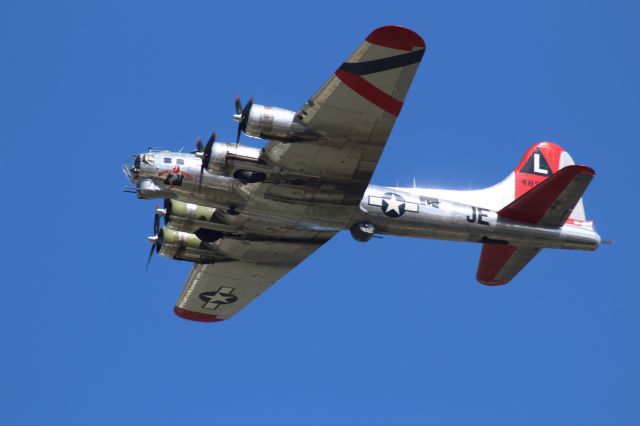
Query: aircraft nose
pixel 136 163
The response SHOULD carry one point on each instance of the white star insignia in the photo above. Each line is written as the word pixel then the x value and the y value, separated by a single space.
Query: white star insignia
pixel 393 204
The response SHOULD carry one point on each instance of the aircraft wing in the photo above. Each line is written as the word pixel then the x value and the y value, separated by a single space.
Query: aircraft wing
pixel 217 291
pixel 354 112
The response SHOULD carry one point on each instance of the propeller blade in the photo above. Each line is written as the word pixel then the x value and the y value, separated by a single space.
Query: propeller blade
pixel 244 118
pixel 153 248
pixel 238 105
pixel 154 239
pixel 238 134
pixel 245 114
pixel 206 156
pixel 156 222
pixel 199 146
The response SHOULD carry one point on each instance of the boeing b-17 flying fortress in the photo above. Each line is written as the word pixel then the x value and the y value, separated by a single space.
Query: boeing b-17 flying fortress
pixel 246 216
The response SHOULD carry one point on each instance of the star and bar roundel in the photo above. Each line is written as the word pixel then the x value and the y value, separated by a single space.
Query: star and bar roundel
pixel 392 204
pixel 213 299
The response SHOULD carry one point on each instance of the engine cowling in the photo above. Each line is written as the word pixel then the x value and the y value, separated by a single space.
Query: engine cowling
pixel 227 158
pixel 268 122
pixel 180 209
pixel 189 217
pixel 184 246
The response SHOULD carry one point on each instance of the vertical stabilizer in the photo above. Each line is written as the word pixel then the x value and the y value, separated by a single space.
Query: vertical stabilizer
pixel 540 162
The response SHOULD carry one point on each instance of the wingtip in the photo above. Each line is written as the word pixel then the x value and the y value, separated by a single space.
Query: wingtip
pixel 195 316
pixel 582 169
pixel 491 283
pixel 396 37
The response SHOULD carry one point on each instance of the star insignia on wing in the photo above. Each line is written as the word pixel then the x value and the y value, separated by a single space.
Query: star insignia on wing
pixel 213 299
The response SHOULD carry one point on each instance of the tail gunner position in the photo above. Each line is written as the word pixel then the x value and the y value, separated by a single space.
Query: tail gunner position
pixel 246 216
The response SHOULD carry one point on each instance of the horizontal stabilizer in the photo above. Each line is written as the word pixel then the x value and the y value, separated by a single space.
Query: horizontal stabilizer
pixel 551 202
pixel 500 263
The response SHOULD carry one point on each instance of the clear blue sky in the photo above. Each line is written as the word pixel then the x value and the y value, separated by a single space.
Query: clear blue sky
pixel 395 331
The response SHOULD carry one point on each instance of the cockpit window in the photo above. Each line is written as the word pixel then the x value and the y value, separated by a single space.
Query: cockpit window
pixel 167 160
pixel 180 161
pixel 148 158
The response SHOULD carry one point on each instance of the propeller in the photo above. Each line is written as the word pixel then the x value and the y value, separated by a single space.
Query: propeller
pixel 206 155
pixel 154 239
pixel 242 116
pixel 199 146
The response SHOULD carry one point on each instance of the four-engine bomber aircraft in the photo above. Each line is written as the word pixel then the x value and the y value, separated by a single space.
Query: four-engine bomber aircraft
pixel 246 216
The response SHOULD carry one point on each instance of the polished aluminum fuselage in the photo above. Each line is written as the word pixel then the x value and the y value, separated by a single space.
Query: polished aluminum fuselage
pixel 392 211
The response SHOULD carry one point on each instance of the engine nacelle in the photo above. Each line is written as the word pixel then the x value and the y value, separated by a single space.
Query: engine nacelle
pixel 226 158
pixel 180 209
pixel 267 122
pixel 193 218
pixel 184 246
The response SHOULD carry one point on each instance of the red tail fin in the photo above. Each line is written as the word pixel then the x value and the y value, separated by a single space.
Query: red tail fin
pixel 540 162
